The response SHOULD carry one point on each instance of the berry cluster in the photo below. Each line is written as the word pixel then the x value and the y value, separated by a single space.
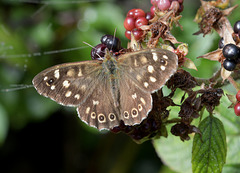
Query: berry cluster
pixel 137 17
pixel 163 5
pixel 236 28
pixel 107 41
pixel 237 106
pixel 230 51
pixel 232 54
pixel 134 20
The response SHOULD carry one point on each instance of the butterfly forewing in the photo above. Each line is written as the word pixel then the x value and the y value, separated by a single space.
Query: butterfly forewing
pixel 149 69
pixel 68 84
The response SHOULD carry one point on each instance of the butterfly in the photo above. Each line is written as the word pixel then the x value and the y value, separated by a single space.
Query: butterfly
pixel 109 90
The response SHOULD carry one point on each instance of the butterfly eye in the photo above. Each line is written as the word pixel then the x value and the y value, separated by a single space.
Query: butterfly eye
pixel 134 112
pixel 126 114
pixel 112 116
pixel 163 62
pixel 50 81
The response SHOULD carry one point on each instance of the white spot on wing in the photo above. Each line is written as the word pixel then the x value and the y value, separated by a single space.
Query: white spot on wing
pixel 134 96
pixel 146 84
pixel 80 72
pixel 165 56
pixel 95 102
pixel 53 87
pixel 155 57
pixel 68 93
pixel 150 69
pixel 142 100
pixel 66 83
pixel 45 78
pixel 87 110
pixel 56 74
pixel 162 67
pixel 77 96
pixel 152 79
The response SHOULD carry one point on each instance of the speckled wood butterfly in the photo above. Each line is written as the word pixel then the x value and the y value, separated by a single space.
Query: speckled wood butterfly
pixel 109 90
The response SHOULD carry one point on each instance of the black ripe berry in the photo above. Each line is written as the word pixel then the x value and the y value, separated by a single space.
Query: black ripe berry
pixel 236 27
pixel 113 43
pixel 221 43
pixel 230 51
pixel 98 52
pixel 229 64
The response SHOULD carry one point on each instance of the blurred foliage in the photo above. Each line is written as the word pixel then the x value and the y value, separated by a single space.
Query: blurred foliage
pixel 36 133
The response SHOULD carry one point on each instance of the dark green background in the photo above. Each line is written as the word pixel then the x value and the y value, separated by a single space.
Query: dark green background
pixel 38 135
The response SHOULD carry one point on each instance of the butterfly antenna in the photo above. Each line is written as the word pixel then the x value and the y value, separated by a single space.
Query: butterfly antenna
pixel 93 48
pixel 114 36
pixel 16 87
pixel 88 44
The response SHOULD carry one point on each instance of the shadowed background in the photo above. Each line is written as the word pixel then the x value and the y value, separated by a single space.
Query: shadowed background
pixel 37 134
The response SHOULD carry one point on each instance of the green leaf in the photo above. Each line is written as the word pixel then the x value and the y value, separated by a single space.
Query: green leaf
pixel 232 127
pixel 209 152
pixel 231 168
pixel 174 153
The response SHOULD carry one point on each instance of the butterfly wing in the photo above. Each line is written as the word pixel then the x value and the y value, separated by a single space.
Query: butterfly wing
pixel 100 104
pixel 100 111
pixel 149 69
pixel 83 85
pixel 135 102
pixel 144 72
pixel 68 84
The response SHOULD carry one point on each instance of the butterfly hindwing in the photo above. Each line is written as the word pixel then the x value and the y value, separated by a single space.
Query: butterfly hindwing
pixel 99 110
pixel 135 103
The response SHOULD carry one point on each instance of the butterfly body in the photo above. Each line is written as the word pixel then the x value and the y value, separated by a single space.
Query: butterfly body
pixel 108 91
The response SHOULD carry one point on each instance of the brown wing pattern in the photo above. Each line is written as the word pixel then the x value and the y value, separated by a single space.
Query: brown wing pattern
pixel 99 110
pixel 150 68
pixel 68 84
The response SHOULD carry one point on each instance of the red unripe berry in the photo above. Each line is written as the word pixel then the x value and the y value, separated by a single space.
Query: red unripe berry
pixel 237 109
pixel 154 2
pixel 164 5
pixel 149 16
pixel 238 96
pixel 136 13
pixel 137 33
pixel 152 10
pixel 141 21
pixel 128 34
pixel 129 23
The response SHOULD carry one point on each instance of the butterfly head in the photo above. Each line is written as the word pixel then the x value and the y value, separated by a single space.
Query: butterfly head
pixel 108 54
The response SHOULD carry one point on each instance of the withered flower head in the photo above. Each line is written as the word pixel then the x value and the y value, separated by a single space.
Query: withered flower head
pixel 181 79
pixel 183 130
pixel 211 98
pixel 209 19
pixel 190 108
